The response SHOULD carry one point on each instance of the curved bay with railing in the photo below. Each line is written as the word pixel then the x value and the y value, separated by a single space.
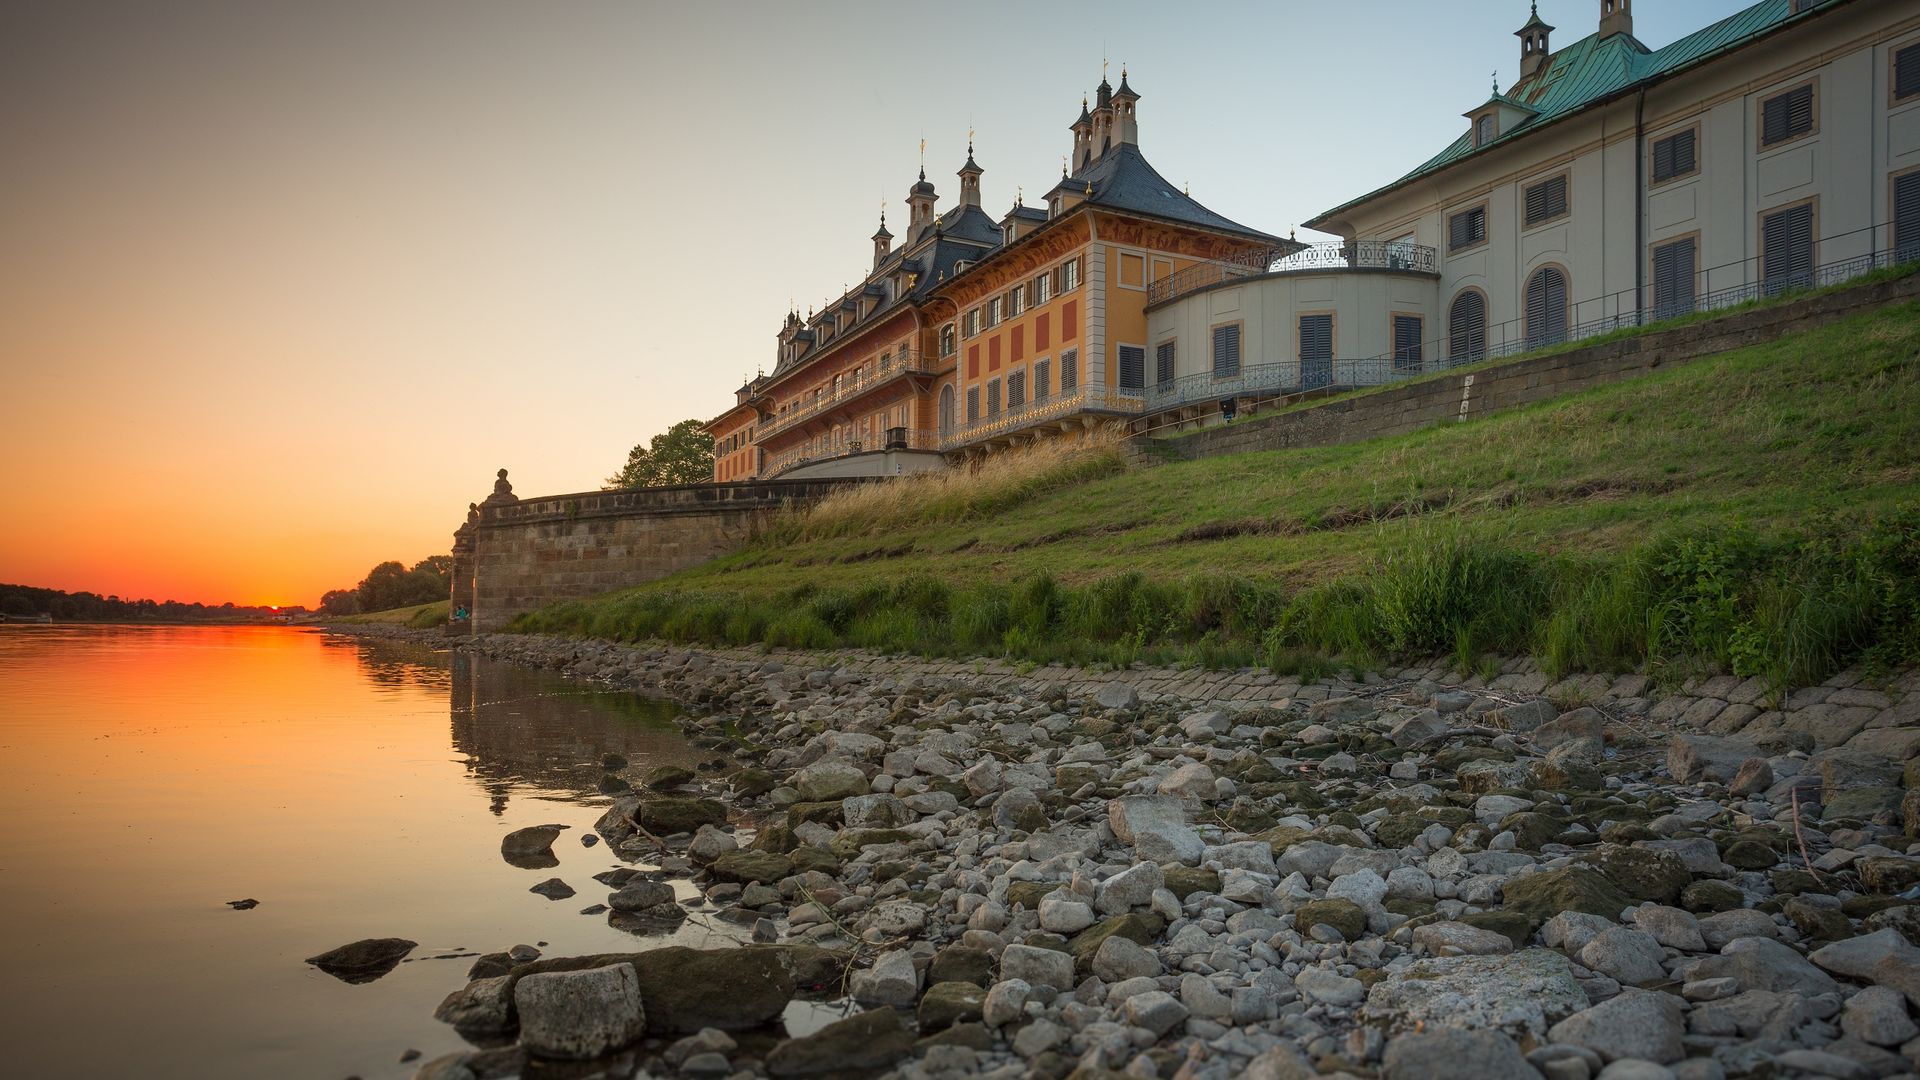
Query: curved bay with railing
pixel 895 438
pixel 1043 409
pixel 1299 258
pixel 861 381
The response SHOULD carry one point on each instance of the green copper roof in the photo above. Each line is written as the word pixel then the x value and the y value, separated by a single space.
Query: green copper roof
pixel 1595 69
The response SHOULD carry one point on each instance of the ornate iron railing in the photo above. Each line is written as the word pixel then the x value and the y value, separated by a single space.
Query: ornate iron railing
pixel 1301 258
pixel 1042 409
pixel 863 380
pixel 823 448
pixel 1500 340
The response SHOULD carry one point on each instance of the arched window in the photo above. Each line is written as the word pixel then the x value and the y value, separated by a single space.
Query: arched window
pixel 1546 307
pixel 946 410
pixel 1467 327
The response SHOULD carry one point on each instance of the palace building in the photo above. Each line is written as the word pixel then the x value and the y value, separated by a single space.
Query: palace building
pixel 1610 185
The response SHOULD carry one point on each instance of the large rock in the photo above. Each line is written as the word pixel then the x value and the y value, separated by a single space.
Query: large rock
pixel 1444 1053
pixel 1643 873
pixel 1883 957
pixel 1708 757
pixel 1764 964
pixel 1643 1024
pixel 481 1007
pixel 365 960
pixel 1570 888
pixel 1521 993
pixel 747 866
pixel 830 779
pixel 1632 957
pixel 667 815
pixel 579 1014
pixel 531 848
pixel 892 980
pixel 1131 813
pixel 730 989
pixel 864 1042
pixel 950 1003
pixel 1037 967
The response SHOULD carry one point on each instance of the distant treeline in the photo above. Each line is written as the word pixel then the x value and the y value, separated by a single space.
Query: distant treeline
pixel 392 585
pixel 25 600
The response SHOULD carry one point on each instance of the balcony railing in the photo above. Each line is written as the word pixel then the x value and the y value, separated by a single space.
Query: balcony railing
pixel 1304 258
pixel 823 449
pixel 862 381
pixel 1495 342
pixel 1040 410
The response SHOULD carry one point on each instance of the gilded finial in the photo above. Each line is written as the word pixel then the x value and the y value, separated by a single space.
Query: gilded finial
pixel 1019 195
pixel 923 159
pixel 1186 186
pixel 1089 189
pixel 1063 166
pixel 1496 82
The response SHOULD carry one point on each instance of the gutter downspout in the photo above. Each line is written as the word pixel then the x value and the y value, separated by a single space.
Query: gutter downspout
pixel 1639 206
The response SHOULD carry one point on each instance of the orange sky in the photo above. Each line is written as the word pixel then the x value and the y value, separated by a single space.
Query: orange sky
pixel 281 285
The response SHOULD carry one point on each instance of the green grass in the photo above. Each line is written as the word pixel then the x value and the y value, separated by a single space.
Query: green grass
pixel 1753 511
pixel 420 616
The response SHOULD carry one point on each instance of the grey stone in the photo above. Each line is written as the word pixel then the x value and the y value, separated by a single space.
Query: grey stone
pixel 1037 966
pixel 1443 1053
pixel 1764 964
pixel 1637 1024
pixel 1520 994
pixel 892 980
pixel 1883 957
pixel 480 1007
pixel 1157 1011
pixel 1119 958
pixel 579 1014
pixel 830 779
pixel 1710 757
pixel 1116 696
pixel 1329 986
pixel 1631 956
pixel 1878 1015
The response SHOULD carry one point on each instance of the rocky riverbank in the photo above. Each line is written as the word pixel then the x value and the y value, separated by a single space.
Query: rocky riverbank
pixel 1045 873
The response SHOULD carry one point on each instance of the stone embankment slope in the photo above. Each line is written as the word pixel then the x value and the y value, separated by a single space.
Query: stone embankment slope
pixel 1184 875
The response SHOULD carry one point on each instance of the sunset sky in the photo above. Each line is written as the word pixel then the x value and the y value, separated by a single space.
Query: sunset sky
pixel 281 285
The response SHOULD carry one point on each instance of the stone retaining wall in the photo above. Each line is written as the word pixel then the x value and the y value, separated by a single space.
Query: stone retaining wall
pixel 515 556
pixel 1457 397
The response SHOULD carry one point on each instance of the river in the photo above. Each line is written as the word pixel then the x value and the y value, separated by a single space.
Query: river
pixel 356 788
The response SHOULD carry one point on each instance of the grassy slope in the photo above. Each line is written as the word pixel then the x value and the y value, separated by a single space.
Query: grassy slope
pixel 1769 435
pixel 420 615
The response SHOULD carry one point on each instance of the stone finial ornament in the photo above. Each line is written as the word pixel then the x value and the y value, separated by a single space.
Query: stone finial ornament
pixel 502 491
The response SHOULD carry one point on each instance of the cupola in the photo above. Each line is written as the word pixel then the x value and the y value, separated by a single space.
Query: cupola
pixel 970 177
pixel 1533 44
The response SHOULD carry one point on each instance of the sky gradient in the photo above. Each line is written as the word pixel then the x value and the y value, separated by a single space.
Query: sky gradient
pixel 283 284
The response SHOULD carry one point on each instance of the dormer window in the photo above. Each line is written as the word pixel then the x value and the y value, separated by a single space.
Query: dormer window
pixel 1484 129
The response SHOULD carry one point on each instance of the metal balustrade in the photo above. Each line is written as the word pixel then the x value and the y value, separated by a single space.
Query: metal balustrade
pixel 823 449
pixel 1298 258
pixel 896 367
pixel 1040 410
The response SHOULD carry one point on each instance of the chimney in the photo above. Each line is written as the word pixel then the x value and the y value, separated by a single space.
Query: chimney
pixel 970 178
pixel 1616 17
pixel 1126 127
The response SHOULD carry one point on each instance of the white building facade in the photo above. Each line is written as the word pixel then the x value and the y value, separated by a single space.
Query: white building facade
pixel 1611 186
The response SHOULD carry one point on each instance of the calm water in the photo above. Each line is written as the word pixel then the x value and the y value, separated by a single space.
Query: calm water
pixel 356 789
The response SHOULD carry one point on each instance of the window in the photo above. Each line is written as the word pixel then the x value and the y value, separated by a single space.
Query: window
pixel 1786 116
pixel 1133 367
pixel 1042 289
pixel 1906 217
pixel 1042 379
pixel 946 411
pixel 1016 389
pixel 1483 130
pixel 947 345
pixel 970 322
pixel 1316 351
pixel 1547 200
pixel 1467 228
pixel 1673 270
pixel 1673 156
pixel 1069 370
pixel 973 404
pixel 1226 351
pixel 1016 302
pixel 1786 249
pixel 1163 363
pixel 1546 307
pixel 993 312
pixel 1467 328
pixel 1070 275
pixel 1407 330
pixel 1906 72
pixel 993 399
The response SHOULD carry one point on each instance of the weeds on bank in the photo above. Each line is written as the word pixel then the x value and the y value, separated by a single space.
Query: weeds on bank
pixel 1790 608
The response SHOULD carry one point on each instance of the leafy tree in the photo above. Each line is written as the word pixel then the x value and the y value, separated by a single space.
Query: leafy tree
pixel 441 565
pixel 682 454
pixel 341 602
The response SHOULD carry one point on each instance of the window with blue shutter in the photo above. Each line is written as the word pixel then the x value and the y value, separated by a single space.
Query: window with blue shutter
pixel 1226 351
pixel 1906 72
pixel 1316 351
pixel 1546 308
pixel 1673 156
pixel 1466 228
pixel 1786 249
pixel 1163 363
pixel 1787 116
pixel 1406 342
pixel 1906 216
pixel 1546 200
pixel 1467 328
pixel 1673 277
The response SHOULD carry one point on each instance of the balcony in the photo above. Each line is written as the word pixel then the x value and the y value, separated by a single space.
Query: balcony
pixel 1040 410
pixel 826 449
pixel 1305 258
pixel 864 380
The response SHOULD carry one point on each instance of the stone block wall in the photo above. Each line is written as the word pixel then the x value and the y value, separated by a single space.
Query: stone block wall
pixel 532 552
pixel 1410 406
